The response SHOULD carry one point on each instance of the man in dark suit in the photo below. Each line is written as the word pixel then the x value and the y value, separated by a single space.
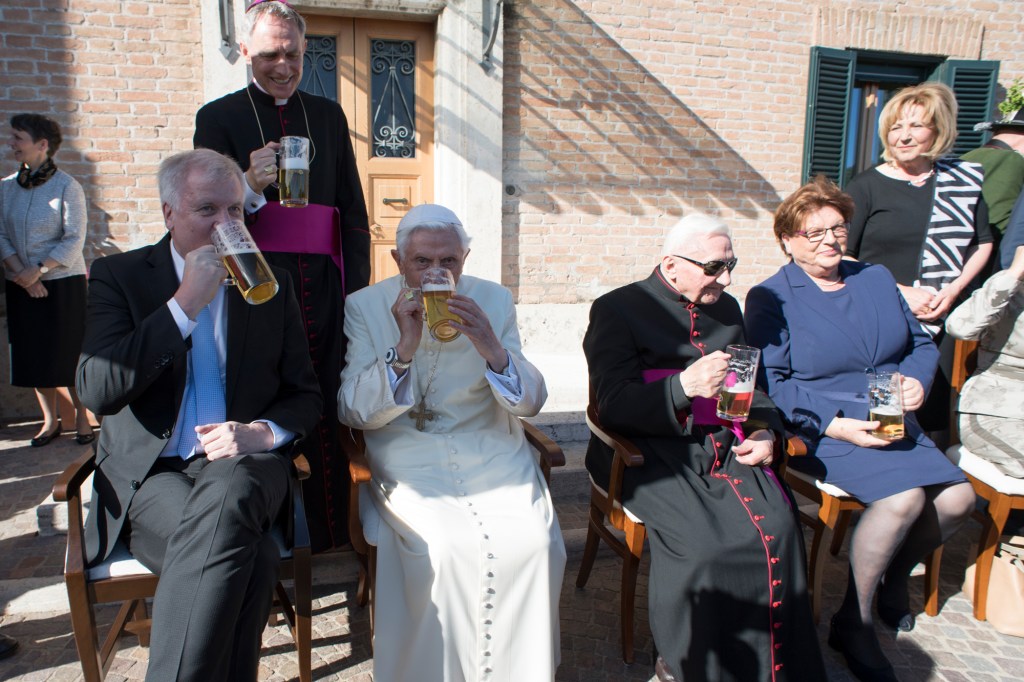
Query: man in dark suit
pixel 202 395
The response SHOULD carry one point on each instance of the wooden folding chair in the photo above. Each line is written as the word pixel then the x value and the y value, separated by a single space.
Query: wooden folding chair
pixel 607 505
pixel 365 545
pixel 835 508
pixel 122 579
pixel 1003 493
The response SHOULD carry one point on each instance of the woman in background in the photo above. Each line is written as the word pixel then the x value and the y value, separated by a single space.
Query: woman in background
pixel 921 215
pixel 42 232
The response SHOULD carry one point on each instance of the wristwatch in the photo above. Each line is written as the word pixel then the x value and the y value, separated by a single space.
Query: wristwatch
pixel 391 360
pixel 43 269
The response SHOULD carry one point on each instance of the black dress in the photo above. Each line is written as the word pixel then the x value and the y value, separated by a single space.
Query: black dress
pixel 728 591
pixel 889 225
pixel 229 125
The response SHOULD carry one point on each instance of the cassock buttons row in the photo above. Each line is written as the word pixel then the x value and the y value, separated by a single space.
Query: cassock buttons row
pixel 487 599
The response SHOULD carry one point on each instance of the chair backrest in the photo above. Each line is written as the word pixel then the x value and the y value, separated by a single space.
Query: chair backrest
pixel 965 361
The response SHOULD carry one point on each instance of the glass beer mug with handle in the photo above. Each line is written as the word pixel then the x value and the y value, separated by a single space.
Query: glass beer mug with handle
pixel 247 267
pixel 738 388
pixel 293 171
pixel 437 285
pixel 885 404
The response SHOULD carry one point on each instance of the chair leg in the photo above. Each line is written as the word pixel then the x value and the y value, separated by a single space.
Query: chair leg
pixel 635 535
pixel 363 591
pixel 828 517
pixel 590 549
pixel 842 525
pixel 303 613
pixel 371 557
pixel 83 625
pixel 140 615
pixel 931 582
pixel 991 530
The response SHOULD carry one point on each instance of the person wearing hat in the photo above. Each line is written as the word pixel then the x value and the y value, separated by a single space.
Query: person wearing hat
pixel 469 551
pixel 324 246
pixel 1002 158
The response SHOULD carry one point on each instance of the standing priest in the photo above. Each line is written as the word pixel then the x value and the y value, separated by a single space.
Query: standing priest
pixel 325 245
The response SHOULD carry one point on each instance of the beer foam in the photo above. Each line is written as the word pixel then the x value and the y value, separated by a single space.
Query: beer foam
pixel 740 387
pixel 887 411
pixel 294 164
pixel 434 287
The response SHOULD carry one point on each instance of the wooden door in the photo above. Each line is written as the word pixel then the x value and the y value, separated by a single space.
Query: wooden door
pixel 382 74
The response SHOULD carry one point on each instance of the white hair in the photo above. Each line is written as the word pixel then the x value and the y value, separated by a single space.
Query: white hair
pixel 681 236
pixel 431 217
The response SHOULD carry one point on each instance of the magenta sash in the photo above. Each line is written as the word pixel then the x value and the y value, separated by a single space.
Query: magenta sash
pixel 313 229
pixel 704 410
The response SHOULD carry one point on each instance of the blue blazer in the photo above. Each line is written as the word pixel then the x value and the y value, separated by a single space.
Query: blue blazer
pixel 815 358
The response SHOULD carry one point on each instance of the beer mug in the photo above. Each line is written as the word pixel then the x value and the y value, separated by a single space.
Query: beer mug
pixel 247 266
pixel 437 285
pixel 293 171
pixel 885 405
pixel 737 391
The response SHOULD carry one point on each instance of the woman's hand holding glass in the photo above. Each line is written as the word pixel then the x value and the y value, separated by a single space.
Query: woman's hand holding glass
pixel 856 431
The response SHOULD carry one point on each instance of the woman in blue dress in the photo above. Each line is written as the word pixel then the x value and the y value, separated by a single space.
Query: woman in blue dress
pixel 824 324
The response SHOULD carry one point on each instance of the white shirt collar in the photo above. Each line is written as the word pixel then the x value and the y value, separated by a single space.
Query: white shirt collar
pixel 278 102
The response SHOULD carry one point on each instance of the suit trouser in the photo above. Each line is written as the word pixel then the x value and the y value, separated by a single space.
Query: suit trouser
pixel 204 528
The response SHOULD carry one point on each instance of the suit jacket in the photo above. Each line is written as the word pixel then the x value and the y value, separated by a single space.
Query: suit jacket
pixel 133 372
pixel 814 358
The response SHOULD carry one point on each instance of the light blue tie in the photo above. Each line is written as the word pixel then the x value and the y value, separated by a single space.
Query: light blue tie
pixel 204 394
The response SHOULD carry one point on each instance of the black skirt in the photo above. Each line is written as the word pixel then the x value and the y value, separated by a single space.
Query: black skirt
pixel 46 333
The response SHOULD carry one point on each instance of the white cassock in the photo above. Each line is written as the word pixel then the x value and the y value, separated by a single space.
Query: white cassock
pixel 469 552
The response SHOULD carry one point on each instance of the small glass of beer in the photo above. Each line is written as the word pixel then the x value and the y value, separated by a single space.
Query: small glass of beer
pixel 738 388
pixel 437 285
pixel 247 266
pixel 293 171
pixel 885 404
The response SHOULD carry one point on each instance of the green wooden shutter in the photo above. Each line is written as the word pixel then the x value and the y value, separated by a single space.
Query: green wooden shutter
pixel 974 83
pixel 828 104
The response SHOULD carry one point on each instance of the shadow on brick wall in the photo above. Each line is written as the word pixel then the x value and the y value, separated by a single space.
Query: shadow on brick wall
pixel 598 146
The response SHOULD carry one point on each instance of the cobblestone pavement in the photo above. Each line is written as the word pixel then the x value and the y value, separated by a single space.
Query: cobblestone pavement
pixel 952 646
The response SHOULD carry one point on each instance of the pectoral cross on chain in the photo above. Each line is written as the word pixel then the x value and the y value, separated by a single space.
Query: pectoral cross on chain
pixel 422 416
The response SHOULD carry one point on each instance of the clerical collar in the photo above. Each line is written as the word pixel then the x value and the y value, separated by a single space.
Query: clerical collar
pixel 277 102
pixel 665 287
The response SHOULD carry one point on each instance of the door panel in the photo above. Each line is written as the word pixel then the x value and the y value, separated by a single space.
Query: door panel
pixel 385 84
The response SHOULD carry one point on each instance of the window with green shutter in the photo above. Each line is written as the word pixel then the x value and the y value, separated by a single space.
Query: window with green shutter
pixel 847 90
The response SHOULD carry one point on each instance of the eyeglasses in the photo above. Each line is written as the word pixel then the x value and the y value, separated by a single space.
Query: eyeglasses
pixel 839 230
pixel 713 268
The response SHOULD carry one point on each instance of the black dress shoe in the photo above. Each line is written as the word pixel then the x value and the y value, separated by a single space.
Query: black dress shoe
pixel 841 638
pixel 8 645
pixel 85 438
pixel 899 619
pixel 40 441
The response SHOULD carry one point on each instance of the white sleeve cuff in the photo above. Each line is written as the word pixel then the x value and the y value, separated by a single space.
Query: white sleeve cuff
pixel 281 436
pixel 507 383
pixel 185 325
pixel 253 201
pixel 401 387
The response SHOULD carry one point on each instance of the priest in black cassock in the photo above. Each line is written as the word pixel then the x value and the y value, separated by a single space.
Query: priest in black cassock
pixel 325 245
pixel 728 591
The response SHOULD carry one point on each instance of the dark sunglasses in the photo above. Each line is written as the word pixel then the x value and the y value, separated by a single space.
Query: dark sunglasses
pixel 713 268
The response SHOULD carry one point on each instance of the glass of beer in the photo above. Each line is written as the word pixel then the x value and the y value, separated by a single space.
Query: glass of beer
pixel 738 388
pixel 437 285
pixel 293 171
pixel 885 405
pixel 247 266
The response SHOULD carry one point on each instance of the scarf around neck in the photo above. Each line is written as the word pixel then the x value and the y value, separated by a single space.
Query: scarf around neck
pixel 28 179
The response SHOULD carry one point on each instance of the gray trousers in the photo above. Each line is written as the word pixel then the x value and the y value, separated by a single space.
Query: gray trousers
pixel 204 528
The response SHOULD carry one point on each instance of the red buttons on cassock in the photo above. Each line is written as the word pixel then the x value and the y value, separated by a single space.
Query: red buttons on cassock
pixel 769 538
pixel 777 626
pixel 776 583
pixel 774 560
pixel 696 333
pixel 776 604
pixel 737 481
pixel 778 666
pixel 748 499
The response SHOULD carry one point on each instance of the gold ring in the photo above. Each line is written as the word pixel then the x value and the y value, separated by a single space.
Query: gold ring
pixel 268 169
pixel 409 296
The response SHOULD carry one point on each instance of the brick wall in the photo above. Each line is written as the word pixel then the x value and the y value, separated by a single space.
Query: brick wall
pixel 620 118
pixel 124 80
